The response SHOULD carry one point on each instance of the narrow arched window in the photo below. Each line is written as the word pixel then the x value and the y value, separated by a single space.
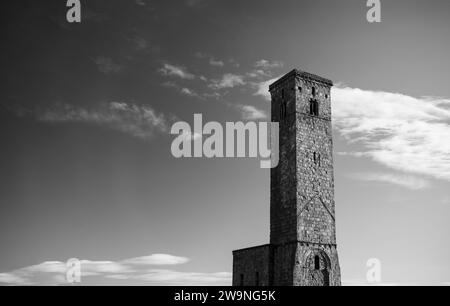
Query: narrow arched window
pixel 316 108
pixel 283 111
pixel 317 262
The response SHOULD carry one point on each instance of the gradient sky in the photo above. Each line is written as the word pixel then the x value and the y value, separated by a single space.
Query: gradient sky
pixel 85 116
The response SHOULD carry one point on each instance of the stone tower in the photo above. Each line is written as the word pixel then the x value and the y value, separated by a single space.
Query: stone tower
pixel 302 249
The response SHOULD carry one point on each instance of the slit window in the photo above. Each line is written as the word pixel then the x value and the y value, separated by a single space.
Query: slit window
pixel 317 158
pixel 283 111
pixel 257 278
pixel 317 263
pixel 314 107
pixel 314 92
pixel 241 282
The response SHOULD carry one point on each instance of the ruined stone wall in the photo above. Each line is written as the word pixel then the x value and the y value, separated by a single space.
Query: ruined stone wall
pixel 253 266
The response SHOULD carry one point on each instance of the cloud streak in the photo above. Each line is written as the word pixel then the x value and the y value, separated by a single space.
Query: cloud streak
pixel 211 59
pixel 251 113
pixel 228 80
pixel 176 71
pixel 262 88
pixel 398 131
pixel 140 270
pixel 265 64
pixel 175 278
pixel 137 120
pixel 107 66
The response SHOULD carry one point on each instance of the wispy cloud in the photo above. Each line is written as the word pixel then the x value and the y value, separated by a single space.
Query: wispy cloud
pixel 262 88
pixel 262 76
pixel 13 279
pixel 140 43
pixel 399 131
pixel 234 63
pixel 188 92
pixel 256 79
pixel 107 65
pixel 176 71
pixel 182 90
pixel 407 181
pixel 137 120
pixel 211 59
pixel 217 63
pixel 228 80
pixel 175 278
pixel 157 259
pixel 140 2
pixel 265 64
pixel 139 269
pixel 251 113
pixel 258 74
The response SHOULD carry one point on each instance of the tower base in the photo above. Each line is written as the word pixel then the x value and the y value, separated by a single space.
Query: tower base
pixel 291 264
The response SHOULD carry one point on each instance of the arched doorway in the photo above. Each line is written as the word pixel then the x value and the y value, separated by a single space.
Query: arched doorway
pixel 318 269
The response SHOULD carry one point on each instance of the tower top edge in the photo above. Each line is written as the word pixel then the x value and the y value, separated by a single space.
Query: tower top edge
pixel 301 74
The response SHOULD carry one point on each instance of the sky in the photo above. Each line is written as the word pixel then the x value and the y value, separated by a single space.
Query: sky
pixel 86 111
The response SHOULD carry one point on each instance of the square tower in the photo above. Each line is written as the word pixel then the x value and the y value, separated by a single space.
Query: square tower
pixel 302 249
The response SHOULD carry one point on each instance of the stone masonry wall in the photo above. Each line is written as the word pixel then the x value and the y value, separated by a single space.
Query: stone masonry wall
pixel 314 154
pixel 305 272
pixel 283 198
pixel 252 267
pixel 302 250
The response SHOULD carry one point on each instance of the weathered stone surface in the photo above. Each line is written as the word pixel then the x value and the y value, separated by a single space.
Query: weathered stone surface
pixel 302 250
pixel 254 272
